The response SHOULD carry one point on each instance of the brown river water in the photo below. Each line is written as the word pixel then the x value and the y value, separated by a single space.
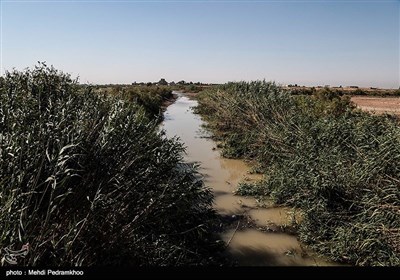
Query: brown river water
pixel 247 246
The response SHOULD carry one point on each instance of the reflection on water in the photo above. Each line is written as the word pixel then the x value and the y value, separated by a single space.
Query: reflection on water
pixel 221 174
pixel 251 246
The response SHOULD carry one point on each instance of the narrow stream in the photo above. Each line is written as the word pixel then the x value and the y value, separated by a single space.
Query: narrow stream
pixel 248 246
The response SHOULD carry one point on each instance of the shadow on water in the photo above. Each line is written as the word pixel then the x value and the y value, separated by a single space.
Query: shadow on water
pixel 249 256
pixel 248 246
pixel 268 249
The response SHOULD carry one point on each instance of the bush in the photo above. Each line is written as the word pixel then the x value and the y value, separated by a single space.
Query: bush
pixel 339 166
pixel 149 97
pixel 87 179
pixel 344 174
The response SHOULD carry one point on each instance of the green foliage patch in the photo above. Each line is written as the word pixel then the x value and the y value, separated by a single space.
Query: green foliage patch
pixel 340 166
pixel 87 179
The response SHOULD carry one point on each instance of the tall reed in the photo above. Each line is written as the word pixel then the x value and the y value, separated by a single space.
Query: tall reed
pixel 87 179
pixel 340 166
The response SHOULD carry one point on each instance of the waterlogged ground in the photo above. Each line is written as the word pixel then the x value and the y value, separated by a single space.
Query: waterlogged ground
pixel 248 245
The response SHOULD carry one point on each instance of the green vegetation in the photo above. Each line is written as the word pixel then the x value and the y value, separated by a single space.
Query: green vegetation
pixel 340 166
pixel 150 97
pixel 343 91
pixel 86 178
pixel 191 88
pixel 182 85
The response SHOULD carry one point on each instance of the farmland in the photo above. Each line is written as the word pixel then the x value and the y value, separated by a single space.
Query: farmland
pixel 378 105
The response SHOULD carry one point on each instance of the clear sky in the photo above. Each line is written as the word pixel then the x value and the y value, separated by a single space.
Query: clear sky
pixel 304 42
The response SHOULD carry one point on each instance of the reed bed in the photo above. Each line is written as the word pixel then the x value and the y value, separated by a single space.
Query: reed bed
pixel 339 165
pixel 87 178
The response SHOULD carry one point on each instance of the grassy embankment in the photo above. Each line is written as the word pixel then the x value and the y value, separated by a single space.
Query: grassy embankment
pixel 339 165
pixel 86 178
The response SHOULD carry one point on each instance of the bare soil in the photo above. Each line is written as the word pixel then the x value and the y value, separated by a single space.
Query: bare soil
pixel 378 105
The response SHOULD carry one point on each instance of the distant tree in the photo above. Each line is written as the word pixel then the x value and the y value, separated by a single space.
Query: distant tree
pixel 181 82
pixel 359 92
pixel 162 82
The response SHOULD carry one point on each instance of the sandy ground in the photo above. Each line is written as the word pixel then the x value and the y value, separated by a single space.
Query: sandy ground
pixel 378 105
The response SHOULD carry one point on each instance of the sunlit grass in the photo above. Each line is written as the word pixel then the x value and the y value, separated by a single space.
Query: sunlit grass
pixel 339 165
pixel 86 178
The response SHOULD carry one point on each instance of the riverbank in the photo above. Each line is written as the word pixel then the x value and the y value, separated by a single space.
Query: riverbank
pixel 252 234
pixel 337 165
pixel 88 179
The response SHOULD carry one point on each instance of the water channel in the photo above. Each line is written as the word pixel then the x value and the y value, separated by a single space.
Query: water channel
pixel 247 246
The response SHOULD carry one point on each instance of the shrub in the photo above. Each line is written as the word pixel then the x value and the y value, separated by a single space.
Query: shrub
pixel 341 167
pixel 88 179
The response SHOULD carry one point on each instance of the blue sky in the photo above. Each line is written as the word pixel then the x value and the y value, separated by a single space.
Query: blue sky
pixel 303 42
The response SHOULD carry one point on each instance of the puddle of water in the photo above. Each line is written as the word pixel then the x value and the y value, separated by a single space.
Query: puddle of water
pixel 228 204
pixel 266 216
pixel 250 246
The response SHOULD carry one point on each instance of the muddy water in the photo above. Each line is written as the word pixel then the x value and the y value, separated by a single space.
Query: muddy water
pixel 246 246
